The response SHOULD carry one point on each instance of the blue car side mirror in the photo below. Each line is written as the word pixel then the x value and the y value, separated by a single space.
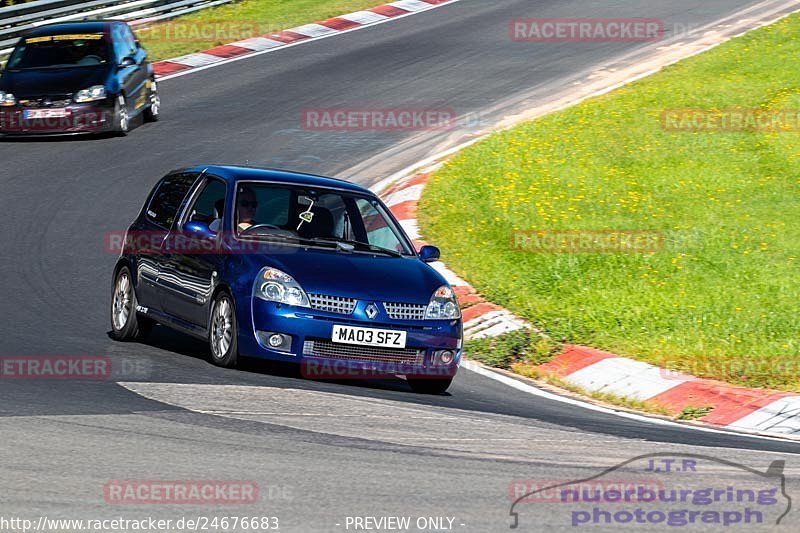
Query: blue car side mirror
pixel 198 230
pixel 429 254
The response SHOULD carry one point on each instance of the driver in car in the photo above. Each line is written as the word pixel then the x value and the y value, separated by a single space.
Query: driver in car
pixel 91 52
pixel 246 210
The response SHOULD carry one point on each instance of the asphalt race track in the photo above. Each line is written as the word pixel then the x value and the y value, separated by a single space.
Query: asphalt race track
pixel 319 451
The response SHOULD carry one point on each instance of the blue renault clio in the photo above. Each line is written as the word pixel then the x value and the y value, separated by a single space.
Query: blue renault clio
pixel 288 267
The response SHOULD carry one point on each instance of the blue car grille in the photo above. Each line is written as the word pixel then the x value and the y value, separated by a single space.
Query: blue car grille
pixel 331 350
pixel 401 311
pixel 332 304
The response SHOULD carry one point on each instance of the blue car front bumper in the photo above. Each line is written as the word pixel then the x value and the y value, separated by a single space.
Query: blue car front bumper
pixel 311 345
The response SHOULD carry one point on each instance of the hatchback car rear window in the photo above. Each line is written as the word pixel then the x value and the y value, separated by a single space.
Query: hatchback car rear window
pixel 57 51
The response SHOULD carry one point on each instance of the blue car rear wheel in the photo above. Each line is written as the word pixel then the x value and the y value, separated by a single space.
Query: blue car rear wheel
pixel 222 332
pixel 121 116
pixel 126 324
pixel 153 111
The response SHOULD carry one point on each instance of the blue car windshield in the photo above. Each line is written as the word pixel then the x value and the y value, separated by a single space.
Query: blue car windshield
pixel 60 51
pixel 347 222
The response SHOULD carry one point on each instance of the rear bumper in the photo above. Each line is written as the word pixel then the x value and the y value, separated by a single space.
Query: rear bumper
pixel 79 118
pixel 320 358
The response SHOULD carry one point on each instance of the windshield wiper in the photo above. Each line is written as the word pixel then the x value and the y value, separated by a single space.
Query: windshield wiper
pixel 279 237
pixel 342 244
pixel 358 244
pixel 60 66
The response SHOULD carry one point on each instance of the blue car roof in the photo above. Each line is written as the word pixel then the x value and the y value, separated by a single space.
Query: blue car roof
pixel 236 174
pixel 70 27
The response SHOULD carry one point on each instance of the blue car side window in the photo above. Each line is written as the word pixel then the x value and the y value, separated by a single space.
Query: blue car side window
pixel 124 42
pixel 210 205
pixel 167 199
pixel 375 224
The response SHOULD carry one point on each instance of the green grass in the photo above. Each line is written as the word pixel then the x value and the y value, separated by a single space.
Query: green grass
pixel 694 413
pixel 241 20
pixel 721 299
pixel 519 346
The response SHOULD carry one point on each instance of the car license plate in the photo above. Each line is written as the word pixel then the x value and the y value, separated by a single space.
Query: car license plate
pixel 44 113
pixel 384 338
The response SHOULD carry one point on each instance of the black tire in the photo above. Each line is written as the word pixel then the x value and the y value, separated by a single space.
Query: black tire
pixel 224 354
pixel 430 386
pixel 122 121
pixel 126 324
pixel 153 111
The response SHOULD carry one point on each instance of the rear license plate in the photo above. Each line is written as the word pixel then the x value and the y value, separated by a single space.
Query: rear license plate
pixel 44 113
pixel 384 338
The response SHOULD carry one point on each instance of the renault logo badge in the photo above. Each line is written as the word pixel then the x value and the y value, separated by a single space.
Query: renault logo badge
pixel 372 311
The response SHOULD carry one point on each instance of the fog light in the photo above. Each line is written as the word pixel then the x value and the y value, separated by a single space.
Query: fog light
pixel 444 357
pixel 275 341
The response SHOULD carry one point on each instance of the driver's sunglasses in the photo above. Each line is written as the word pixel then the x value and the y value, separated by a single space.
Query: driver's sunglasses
pixel 245 203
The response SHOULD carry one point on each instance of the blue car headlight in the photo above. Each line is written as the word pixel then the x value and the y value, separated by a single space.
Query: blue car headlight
pixel 275 285
pixel 7 99
pixel 98 92
pixel 443 305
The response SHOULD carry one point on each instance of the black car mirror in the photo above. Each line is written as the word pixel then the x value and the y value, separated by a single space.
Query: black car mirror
pixel 127 62
pixel 429 254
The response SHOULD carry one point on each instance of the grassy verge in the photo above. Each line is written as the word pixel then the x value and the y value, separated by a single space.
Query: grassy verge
pixel 522 346
pixel 233 22
pixel 721 298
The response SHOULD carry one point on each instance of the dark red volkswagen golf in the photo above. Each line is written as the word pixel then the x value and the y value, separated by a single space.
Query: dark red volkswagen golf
pixel 81 77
